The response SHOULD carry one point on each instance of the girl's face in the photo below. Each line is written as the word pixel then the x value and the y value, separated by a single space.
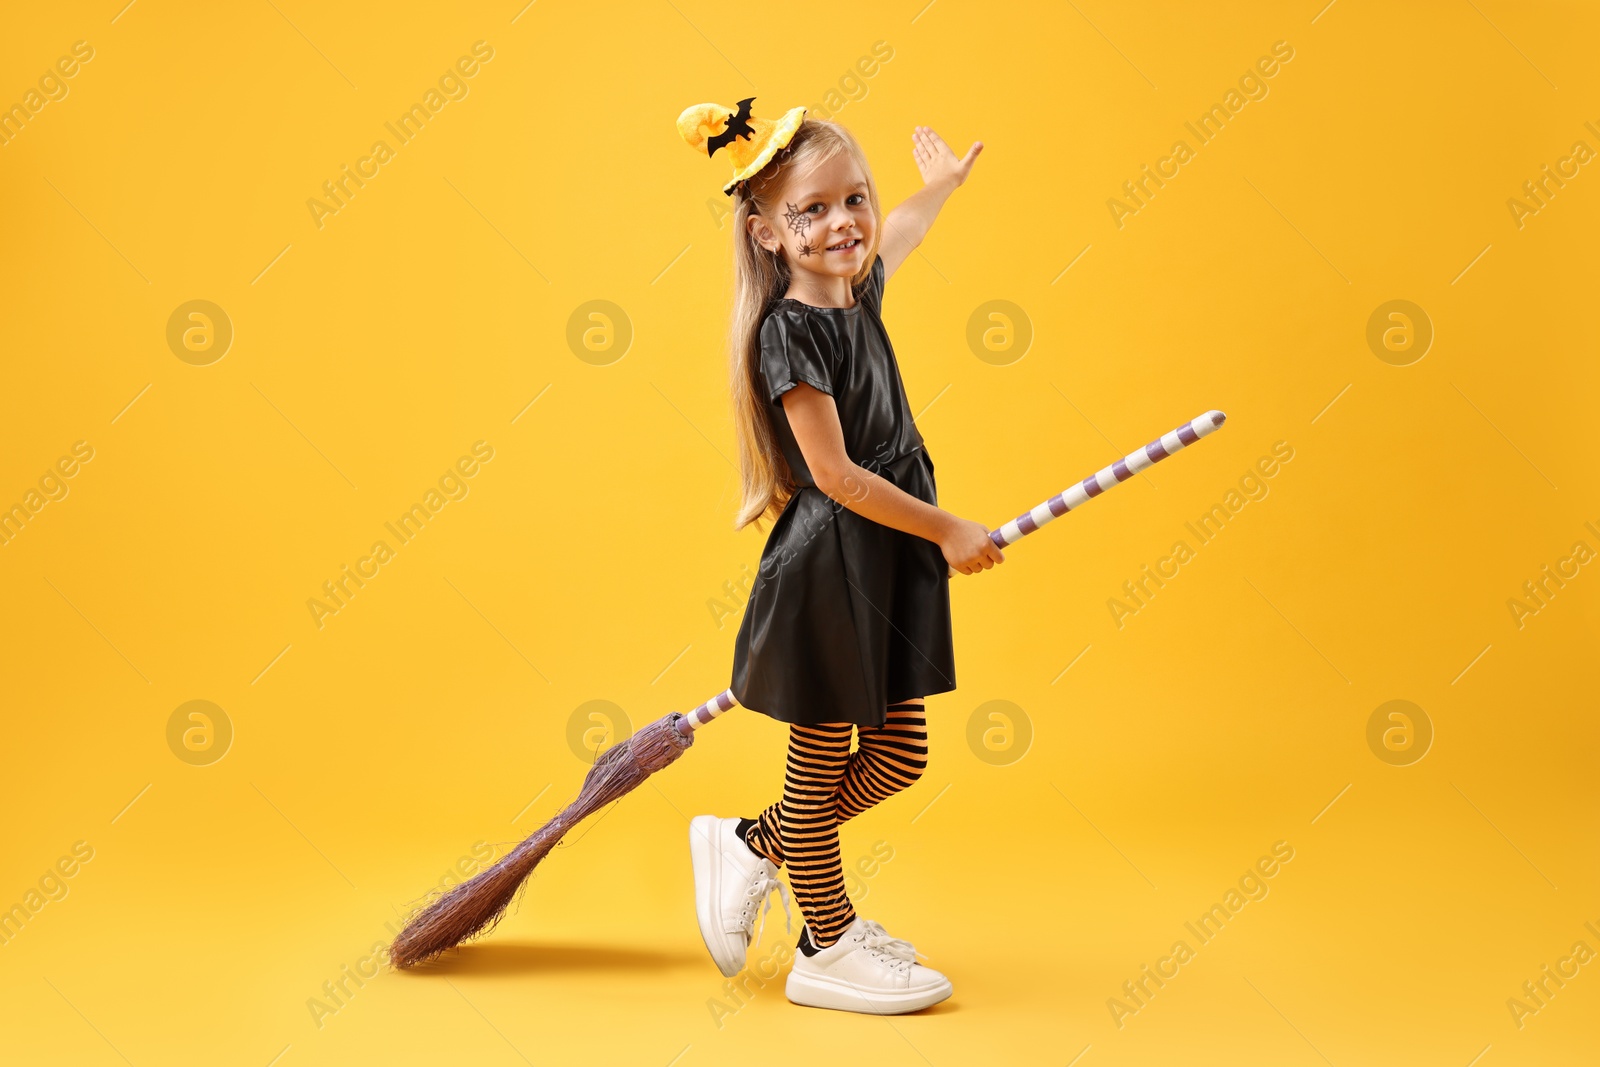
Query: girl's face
pixel 826 224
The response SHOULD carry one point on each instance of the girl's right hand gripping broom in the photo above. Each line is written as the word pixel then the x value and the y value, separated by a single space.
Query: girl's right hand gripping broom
pixel 474 906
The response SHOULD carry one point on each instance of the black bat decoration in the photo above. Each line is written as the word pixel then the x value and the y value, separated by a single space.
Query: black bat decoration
pixel 738 126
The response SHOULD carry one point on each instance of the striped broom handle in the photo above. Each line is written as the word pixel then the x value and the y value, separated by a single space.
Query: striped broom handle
pixel 1105 478
pixel 697 718
pixel 1029 521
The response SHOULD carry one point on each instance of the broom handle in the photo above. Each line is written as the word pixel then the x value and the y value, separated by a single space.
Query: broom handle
pixel 1106 478
pixel 1112 475
pixel 697 718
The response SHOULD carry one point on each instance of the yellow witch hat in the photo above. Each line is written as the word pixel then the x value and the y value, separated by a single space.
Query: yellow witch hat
pixel 751 142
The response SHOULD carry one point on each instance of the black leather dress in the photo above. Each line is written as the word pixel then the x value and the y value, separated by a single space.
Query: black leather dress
pixel 846 615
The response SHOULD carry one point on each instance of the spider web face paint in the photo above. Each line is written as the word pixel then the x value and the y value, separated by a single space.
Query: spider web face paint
pixel 799 222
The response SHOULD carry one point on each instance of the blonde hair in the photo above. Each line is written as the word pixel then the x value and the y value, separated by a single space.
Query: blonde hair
pixel 760 278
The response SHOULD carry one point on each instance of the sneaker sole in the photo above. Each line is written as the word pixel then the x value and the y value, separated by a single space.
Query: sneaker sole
pixel 705 854
pixel 819 991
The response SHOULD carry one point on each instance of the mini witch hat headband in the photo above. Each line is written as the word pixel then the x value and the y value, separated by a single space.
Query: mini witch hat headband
pixel 751 142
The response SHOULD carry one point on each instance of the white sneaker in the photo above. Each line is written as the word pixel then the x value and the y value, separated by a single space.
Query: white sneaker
pixel 868 971
pixel 730 882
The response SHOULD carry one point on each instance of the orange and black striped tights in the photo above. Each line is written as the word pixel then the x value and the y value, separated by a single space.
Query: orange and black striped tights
pixel 824 784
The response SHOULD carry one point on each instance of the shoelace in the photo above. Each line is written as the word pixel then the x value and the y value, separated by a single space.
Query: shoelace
pixel 901 952
pixel 762 883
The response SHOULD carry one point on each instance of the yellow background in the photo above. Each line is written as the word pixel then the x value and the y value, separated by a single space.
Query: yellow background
pixel 434 710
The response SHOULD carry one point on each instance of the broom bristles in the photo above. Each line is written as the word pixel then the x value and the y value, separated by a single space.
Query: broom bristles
pixel 474 907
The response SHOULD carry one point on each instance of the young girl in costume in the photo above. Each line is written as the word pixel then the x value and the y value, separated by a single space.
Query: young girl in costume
pixel 848 623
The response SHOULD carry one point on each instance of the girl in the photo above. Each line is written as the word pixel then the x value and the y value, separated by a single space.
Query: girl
pixel 848 624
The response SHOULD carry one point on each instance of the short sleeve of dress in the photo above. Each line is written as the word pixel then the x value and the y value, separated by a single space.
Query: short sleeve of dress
pixel 791 352
pixel 872 289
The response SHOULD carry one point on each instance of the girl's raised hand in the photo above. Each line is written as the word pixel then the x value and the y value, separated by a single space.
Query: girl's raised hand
pixel 935 159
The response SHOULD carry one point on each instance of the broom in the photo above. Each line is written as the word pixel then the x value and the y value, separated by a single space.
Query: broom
pixel 473 907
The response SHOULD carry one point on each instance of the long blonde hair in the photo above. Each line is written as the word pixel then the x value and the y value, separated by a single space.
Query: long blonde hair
pixel 759 278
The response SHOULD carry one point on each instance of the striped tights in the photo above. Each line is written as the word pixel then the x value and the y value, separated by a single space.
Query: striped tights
pixel 824 784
